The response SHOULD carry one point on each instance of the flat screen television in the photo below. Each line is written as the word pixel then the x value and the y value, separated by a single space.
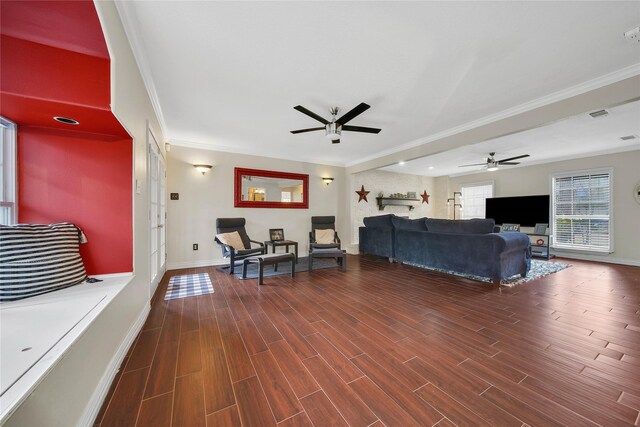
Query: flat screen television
pixel 524 210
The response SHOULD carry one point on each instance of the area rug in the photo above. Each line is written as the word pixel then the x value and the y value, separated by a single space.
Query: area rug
pixel 538 269
pixel 188 285
pixel 283 269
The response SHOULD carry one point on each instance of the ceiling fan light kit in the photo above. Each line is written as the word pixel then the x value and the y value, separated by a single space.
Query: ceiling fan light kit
pixel 493 165
pixel 333 129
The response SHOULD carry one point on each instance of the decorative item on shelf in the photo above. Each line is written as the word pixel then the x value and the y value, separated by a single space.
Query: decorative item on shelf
pixel 411 194
pixel 457 203
pixel 381 194
pixel 425 197
pixel 202 168
pixel 362 194
pixel 510 227
pixel 540 228
pixel 327 180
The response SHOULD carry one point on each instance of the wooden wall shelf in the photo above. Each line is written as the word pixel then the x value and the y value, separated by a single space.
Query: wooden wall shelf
pixel 392 201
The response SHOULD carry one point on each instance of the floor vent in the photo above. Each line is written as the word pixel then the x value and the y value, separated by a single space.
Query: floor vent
pixel 629 137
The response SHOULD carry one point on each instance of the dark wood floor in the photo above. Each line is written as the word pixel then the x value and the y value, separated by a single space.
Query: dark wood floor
pixel 388 344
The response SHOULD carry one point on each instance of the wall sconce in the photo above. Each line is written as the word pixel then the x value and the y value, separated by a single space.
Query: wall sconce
pixel 203 168
pixel 327 180
pixel 457 202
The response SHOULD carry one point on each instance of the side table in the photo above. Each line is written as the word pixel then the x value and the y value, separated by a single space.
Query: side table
pixel 286 243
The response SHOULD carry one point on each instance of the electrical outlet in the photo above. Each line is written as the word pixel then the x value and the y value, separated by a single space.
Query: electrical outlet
pixel 195 246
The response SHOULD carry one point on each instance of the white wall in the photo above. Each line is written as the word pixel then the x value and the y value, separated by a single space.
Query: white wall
pixel 532 180
pixel 71 393
pixel 388 183
pixel 203 198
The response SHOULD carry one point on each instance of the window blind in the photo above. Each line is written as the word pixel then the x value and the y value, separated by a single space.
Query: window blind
pixel 474 198
pixel 582 211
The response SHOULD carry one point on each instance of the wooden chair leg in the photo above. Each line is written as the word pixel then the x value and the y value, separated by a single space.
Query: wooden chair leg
pixel 293 267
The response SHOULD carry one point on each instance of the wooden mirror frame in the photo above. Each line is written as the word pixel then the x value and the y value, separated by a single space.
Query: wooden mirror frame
pixel 237 189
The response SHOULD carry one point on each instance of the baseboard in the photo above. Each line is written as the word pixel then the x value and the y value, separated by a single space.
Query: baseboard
pixel 194 264
pixel 95 403
pixel 597 258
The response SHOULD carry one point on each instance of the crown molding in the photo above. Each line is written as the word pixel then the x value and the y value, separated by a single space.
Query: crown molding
pixel 248 152
pixel 597 83
pixel 125 11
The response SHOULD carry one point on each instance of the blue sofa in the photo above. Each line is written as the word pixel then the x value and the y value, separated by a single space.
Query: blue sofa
pixel 463 246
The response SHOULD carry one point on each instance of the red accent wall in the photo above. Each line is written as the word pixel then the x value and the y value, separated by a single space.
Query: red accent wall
pixel 84 179
pixel 54 62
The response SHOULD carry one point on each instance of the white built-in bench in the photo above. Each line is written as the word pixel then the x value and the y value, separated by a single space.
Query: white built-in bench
pixel 36 332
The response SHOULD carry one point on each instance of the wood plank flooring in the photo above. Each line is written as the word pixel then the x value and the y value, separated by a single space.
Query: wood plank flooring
pixel 387 345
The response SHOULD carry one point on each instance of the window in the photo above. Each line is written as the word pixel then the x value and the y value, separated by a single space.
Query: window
pixel 8 208
pixel 473 199
pixel 582 210
pixel 285 196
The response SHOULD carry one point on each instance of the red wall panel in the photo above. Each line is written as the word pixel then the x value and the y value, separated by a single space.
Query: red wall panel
pixel 81 178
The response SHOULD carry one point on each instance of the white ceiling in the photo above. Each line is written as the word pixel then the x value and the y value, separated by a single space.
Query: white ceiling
pixel 226 75
pixel 574 137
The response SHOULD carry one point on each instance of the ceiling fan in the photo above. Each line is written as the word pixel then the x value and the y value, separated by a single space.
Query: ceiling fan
pixel 334 128
pixel 492 164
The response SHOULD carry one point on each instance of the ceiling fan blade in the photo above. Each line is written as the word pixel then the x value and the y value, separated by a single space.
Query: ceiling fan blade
pixel 306 130
pixel 335 141
pixel 474 164
pixel 311 114
pixel 512 158
pixel 355 111
pixel 361 129
pixel 508 163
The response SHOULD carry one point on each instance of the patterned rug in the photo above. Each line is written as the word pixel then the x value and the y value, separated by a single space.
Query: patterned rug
pixel 188 286
pixel 539 268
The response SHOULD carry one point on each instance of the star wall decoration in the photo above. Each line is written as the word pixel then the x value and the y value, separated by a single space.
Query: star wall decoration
pixel 362 194
pixel 425 197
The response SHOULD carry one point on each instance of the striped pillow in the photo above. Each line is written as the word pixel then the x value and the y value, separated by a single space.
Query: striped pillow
pixel 37 258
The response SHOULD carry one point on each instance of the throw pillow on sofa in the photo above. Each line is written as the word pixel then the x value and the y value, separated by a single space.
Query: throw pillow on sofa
pixel 38 258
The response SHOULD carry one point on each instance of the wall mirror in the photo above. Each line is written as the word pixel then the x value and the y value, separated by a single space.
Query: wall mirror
pixel 255 188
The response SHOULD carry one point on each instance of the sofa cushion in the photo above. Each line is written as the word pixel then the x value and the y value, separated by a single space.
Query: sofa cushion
pixel 39 258
pixel 379 221
pixel 461 226
pixel 409 224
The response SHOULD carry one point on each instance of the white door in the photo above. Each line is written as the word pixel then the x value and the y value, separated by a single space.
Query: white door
pixel 157 214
